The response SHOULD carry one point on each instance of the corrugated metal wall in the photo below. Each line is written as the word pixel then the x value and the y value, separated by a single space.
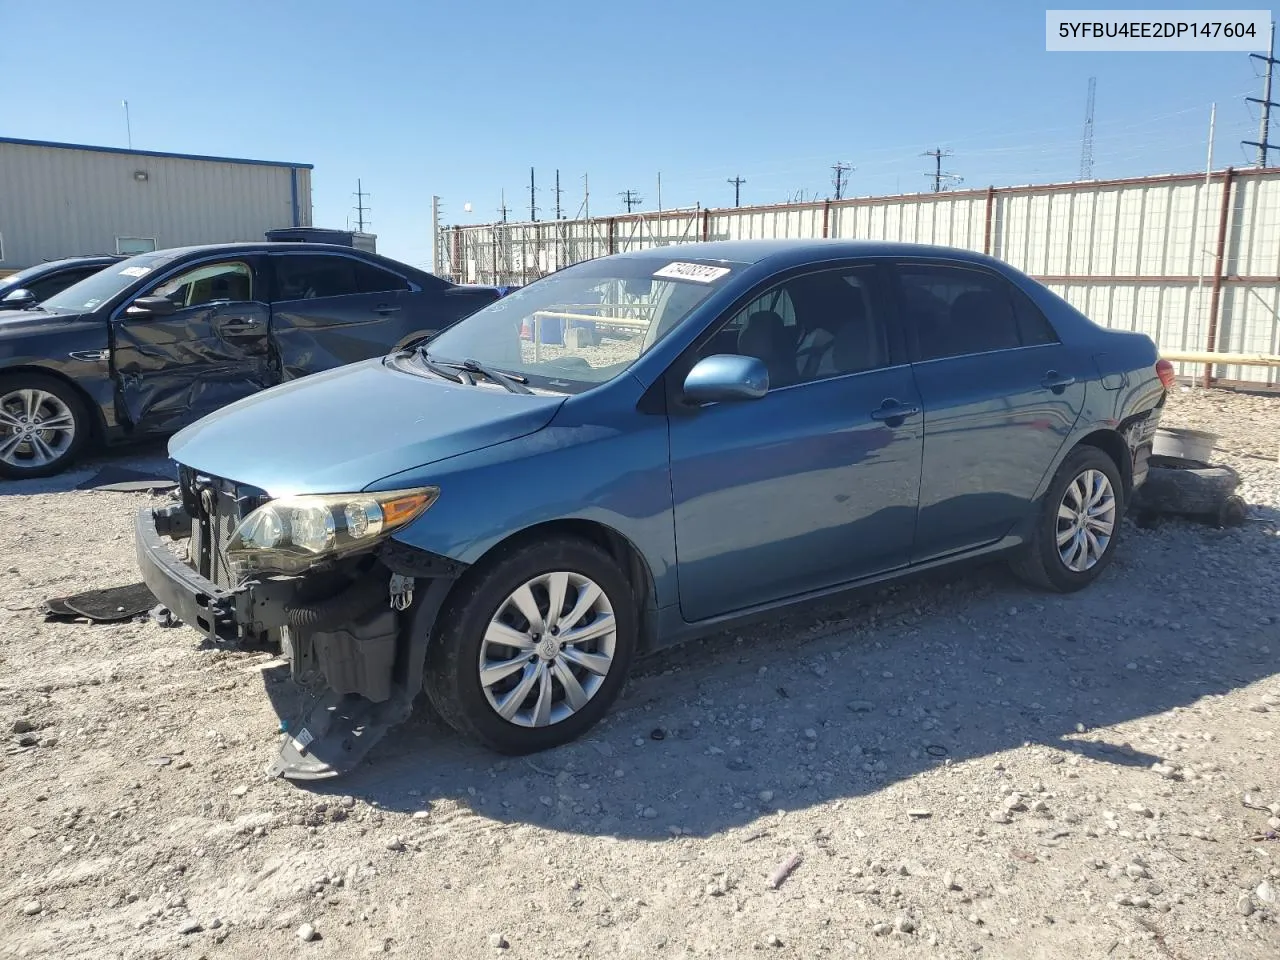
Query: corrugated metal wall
pixel 57 201
pixel 1150 254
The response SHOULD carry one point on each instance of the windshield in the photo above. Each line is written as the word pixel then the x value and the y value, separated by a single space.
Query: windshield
pixel 583 325
pixel 93 291
pixel 15 281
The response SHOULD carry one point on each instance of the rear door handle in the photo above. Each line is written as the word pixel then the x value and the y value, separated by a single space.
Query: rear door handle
pixel 385 308
pixel 893 410
pixel 1056 381
pixel 238 324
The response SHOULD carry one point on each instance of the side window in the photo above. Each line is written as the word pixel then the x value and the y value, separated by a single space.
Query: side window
pixel 810 327
pixel 957 311
pixel 45 288
pixel 1033 325
pixel 208 283
pixel 309 276
pixel 371 279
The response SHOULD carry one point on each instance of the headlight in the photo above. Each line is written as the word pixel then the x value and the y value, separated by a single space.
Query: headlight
pixel 292 534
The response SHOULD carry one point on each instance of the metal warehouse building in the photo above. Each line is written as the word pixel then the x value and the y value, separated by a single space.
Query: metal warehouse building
pixel 66 199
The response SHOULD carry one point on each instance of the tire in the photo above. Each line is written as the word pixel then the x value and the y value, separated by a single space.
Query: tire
pixel 452 678
pixel 1186 488
pixel 1040 561
pixel 48 451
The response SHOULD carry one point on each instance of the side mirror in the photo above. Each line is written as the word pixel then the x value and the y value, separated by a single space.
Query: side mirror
pixel 726 376
pixel 152 307
pixel 19 299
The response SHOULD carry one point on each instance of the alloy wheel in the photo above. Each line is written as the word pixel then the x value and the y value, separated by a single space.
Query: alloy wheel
pixel 548 649
pixel 36 428
pixel 1086 520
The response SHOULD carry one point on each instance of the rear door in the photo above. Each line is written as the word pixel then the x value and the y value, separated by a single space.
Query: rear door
pixel 330 309
pixel 172 370
pixel 1000 395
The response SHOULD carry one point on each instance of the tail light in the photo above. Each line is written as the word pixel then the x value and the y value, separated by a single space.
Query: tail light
pixel 1164 370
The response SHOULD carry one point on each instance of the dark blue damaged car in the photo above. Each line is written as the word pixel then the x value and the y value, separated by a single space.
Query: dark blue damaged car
pixel 637 450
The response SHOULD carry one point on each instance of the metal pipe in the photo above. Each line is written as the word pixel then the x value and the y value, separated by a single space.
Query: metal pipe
pixel 826 219
pixel 1215 298
pixel 986 232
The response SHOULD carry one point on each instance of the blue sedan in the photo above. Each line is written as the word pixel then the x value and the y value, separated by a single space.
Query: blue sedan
pixel 637 450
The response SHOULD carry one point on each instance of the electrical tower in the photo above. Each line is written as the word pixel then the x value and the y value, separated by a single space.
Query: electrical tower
pixel 360 207
pixel 631 199
pixel 1264 125
pixel 839 178
pixel 558 214
pixel 939 177
pixel 533 194
pixel 1086 142
pixel 737 190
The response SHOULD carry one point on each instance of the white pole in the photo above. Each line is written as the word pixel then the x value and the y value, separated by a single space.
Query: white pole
pixel 1204 239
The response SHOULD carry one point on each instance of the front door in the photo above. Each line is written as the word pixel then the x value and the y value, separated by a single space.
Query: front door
pixel 213 350
pixel 814 484
pixel 1000 395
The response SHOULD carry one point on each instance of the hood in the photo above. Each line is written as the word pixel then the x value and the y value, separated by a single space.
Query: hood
pixel 340 431
pixel 17 325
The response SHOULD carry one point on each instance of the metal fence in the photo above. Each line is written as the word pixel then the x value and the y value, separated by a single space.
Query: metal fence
pixel 1191 260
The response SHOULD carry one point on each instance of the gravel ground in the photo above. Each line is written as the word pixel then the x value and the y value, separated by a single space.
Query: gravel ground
pixel 951 768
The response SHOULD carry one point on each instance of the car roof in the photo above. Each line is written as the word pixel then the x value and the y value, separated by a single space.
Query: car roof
pixel 789 252
pixel 169 254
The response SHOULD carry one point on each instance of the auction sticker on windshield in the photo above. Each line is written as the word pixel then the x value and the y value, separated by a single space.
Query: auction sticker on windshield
pixel 697 272
pixel 135 271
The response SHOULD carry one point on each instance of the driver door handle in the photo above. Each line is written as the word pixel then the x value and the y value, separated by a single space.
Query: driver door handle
pixel 385 308
pixel 1056 381
pixel 893 410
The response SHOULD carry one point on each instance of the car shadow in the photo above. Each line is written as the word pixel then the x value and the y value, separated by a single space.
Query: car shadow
pixel 862 694
pixel 147 459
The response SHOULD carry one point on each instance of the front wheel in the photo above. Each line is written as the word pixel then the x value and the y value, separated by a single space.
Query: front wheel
pixel 43 426
pixel 1078 524
pixel 534 647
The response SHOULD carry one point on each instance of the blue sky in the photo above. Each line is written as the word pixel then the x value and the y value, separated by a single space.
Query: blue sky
pixel 460 99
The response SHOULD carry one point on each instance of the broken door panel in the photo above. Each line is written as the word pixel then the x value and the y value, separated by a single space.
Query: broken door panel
pixel 172 370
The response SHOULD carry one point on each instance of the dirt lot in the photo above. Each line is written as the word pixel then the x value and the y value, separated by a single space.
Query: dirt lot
pixel 962 766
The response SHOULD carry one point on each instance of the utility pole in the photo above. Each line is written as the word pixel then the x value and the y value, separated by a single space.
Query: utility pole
pixel 840 169
pixel 938 176
pixel 737 190
pixel 558 216
pixel 586 198
pixel 1086 142
pixel 631 199
pixel 1264 125
pixel 128 126
pixel 435 236
pixel 360 207
pixel 503 209
pixel 533 193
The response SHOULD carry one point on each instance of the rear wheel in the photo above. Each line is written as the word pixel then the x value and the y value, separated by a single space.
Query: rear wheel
pixel 1076 530
pixel 534 647
pixel 43 426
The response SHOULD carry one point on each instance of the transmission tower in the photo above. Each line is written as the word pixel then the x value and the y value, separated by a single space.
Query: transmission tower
pixel 631 199
pixel 361 209
pixel 737 190
pixel 1264 125
pixel 939 177
pixel 1086 142
pixel 839 177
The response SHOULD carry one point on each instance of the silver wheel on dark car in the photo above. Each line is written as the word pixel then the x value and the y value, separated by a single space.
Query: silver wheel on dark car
pixel 548 649
pixel 1086 520
pixel 37 429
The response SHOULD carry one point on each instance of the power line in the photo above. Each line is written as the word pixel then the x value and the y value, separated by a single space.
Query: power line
pixel 360 207
pixel 1086 141
pixel 1264 125
pixel 938 175
pixel 631 199
pixel 737 190
pixel 840 169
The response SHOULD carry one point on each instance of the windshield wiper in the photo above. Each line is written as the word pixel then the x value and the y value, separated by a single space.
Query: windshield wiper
pixel 512 381
pixel 438 369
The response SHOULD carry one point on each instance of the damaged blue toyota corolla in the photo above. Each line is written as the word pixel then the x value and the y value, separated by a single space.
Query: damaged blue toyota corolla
pixel 635 450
